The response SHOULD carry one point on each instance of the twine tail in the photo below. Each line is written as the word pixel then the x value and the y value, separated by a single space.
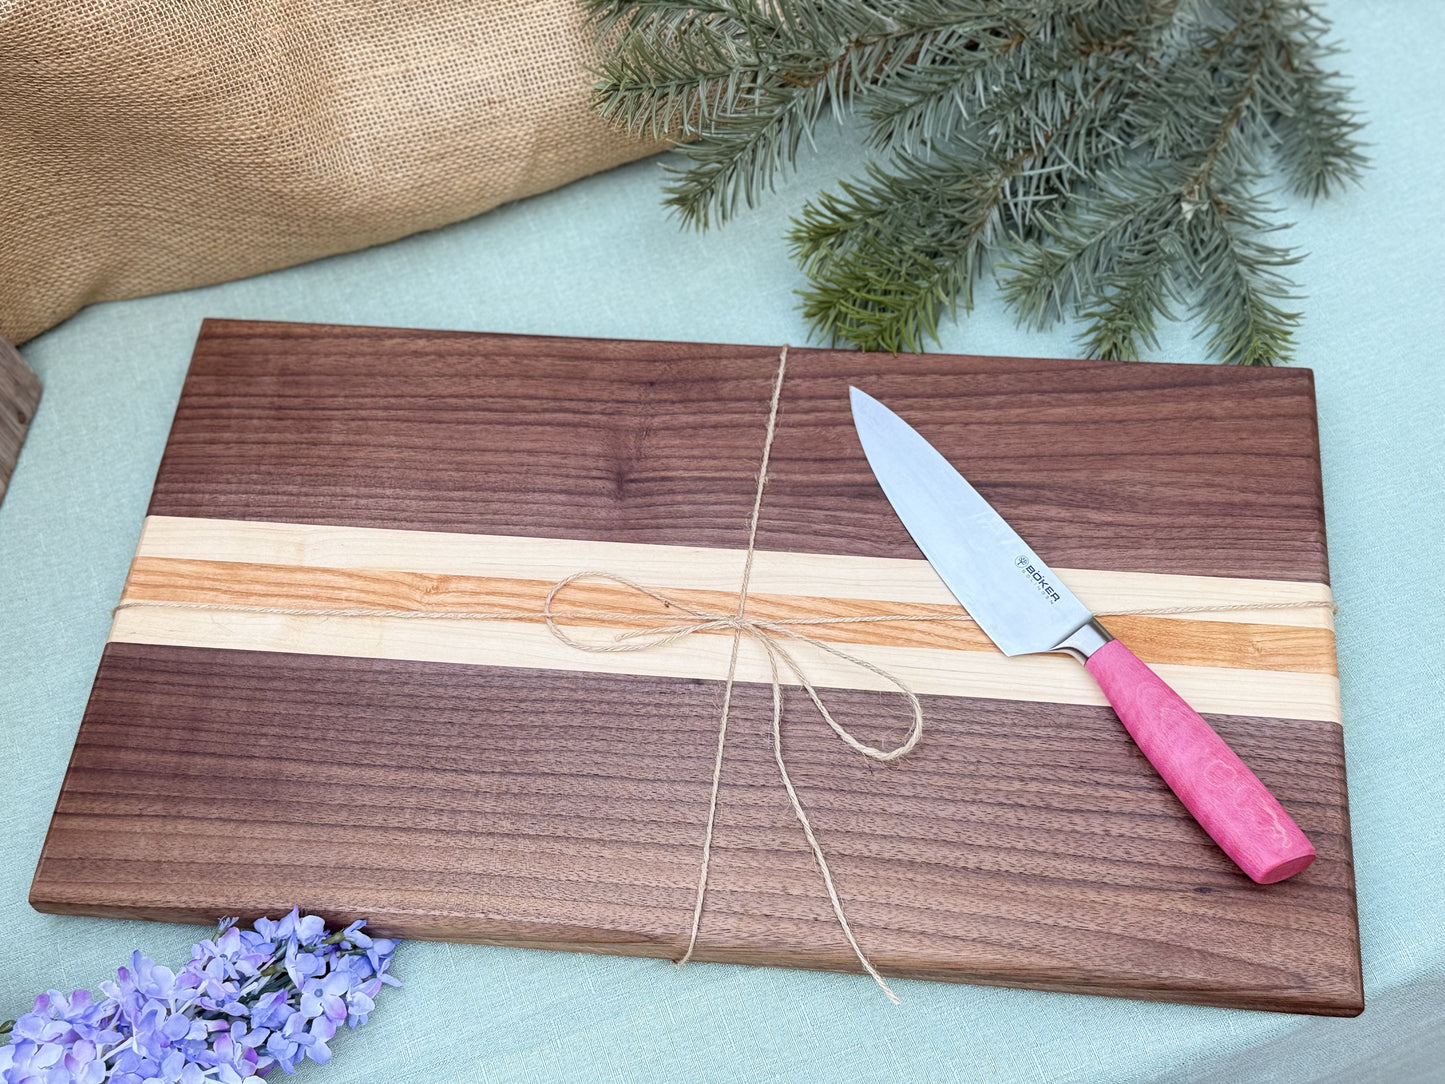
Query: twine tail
pixel 807 825
pixel 722 734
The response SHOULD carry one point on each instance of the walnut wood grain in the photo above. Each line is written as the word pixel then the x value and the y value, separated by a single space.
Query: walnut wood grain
pixel 1016 845
pixel 1021 844
pixel 19 396
pixel 1203 470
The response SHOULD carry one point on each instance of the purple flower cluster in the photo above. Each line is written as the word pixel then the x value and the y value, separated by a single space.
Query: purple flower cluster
pixel 246 1002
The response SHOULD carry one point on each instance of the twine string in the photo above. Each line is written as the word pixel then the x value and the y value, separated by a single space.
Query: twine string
pixel 772 635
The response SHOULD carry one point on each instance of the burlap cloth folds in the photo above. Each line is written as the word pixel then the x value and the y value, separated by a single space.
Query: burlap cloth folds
pixel 151 146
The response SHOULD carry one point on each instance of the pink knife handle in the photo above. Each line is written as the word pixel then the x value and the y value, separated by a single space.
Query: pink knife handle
pixel 1224 796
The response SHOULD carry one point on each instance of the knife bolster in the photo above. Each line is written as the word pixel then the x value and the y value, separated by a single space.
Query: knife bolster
pixel 1085 640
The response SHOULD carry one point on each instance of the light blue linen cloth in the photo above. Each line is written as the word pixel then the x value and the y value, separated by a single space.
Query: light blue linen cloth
pixel 600 258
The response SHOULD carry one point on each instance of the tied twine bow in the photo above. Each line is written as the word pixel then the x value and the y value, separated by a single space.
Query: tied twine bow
pixel 773 636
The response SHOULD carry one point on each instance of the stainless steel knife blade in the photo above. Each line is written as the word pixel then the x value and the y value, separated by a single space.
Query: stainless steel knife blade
pixel 1013 595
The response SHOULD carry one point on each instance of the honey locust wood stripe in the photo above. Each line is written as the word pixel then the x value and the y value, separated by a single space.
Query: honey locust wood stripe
pixel 1154 639
pixel 1232 663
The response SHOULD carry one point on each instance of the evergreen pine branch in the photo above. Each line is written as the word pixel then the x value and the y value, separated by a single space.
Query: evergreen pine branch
pixel 1237 283
pixel 630 18
pixel 1123 323
pixel 1318 146
pixel 1082 252
pixel 888 257
pixel 1106 157
pixel 1123 316
pixel 1316 128
pixel 740 156
pixel 949 79
pixel 749 81
pixel 682 84
pixel 1032 165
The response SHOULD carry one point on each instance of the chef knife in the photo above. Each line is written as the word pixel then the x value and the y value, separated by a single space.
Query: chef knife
pixel 1025 608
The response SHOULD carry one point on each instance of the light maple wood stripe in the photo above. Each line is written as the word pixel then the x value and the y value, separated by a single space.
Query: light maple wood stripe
pixel 927 670
pixel 699 568
pixel 1155 639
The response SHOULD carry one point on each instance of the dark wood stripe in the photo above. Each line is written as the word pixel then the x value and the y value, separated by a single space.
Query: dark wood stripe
pixel 1202 470
pixel 1017 845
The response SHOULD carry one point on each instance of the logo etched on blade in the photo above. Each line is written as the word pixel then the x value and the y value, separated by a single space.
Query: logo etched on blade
pixel 1040 580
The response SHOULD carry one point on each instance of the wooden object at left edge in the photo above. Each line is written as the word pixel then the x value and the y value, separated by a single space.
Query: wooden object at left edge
pixel 19 396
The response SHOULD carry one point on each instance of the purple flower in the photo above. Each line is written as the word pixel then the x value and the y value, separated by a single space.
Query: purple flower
pixel 245 1002
pixel 271 1010
pixel 296 1040
pixel 58 1040
pixel 327 996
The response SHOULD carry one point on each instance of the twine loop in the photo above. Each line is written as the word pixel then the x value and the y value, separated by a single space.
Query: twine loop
pixel 770 634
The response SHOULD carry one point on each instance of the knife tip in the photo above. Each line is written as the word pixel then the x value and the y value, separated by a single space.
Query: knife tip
pixel 864 405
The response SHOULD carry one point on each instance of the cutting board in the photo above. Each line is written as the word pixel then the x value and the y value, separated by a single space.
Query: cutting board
pixel 480 780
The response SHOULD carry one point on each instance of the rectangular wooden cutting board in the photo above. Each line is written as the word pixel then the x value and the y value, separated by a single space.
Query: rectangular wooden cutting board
pixel 479 780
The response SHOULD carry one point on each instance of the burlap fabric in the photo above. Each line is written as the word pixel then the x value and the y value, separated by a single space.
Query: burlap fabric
pixel 151 145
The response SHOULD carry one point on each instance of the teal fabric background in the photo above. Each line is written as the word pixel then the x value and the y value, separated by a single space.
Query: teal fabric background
pixel 601 258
